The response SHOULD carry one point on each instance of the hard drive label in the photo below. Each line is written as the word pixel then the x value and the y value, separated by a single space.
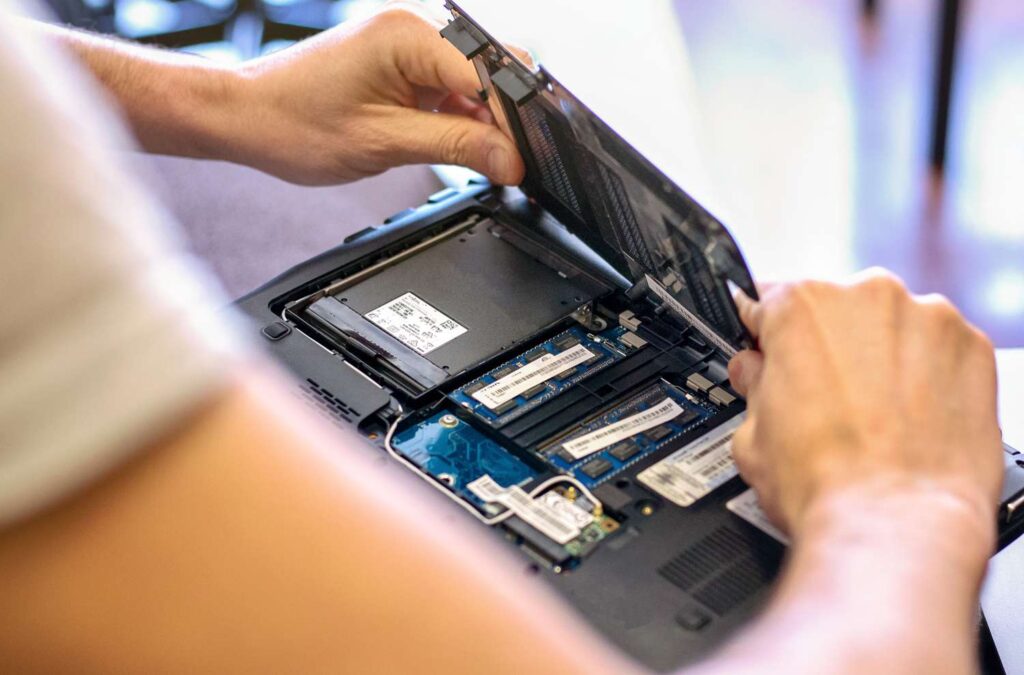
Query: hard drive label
pixel 623 429
pixel 543 369
pixel 417 324
pixel 696 469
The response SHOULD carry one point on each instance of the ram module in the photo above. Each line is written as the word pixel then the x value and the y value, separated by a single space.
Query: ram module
pixel 602 446
pixel 539 374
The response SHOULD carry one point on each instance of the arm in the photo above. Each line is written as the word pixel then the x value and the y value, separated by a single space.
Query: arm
pixel 259 539
pixel 348 103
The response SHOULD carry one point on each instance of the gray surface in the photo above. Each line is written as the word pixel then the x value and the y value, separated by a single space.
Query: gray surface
pixel 251 227
pixel 467 279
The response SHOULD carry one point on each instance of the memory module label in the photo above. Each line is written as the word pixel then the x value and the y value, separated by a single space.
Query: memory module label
pixel 590 443
pixel 525 378
pixel 541 373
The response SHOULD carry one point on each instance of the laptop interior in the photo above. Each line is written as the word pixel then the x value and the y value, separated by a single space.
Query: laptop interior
pixel 552 359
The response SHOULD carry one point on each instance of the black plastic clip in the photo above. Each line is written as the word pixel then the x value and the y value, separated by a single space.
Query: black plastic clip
pixel 466 37
pixel 519 87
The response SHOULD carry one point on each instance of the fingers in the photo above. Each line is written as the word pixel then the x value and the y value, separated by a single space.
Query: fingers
pixel 745 371
pixel 424 57
pixel 418 137
pixel 751 312
pixel 457 104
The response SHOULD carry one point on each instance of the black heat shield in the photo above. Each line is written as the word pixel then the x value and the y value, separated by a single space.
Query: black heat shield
pixel 608 194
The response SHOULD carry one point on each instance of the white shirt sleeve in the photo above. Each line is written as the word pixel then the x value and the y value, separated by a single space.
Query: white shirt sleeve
pixel 110 334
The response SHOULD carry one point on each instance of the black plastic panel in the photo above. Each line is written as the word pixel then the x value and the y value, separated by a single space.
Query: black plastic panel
pixel 607 193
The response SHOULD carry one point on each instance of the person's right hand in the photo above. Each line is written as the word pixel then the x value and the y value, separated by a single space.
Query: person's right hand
pixel 863 386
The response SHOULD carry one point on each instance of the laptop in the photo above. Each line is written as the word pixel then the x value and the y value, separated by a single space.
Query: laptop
pixel 552 359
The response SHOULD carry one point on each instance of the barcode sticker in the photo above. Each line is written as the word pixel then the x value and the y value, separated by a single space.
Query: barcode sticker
pixel 747 507
pixel 588 444
pixel 696 469
pixel 543 369
pixel 558 524
pixel 416 323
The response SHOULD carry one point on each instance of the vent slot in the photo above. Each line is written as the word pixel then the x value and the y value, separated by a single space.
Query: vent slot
pixel 733 586
pixel 622 211
pixel 546 150
pixel 721 570
pixel 327 402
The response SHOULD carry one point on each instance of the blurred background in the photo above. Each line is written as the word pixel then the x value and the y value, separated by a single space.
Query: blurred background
pixel 829 135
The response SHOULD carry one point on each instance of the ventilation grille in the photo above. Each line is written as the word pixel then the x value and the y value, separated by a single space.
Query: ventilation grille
pixel 699 282
pixel 624 217
pixel 721 570
pixel 327 402
pixel 540 134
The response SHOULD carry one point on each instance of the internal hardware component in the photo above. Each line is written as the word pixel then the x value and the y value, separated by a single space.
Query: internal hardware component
pixel 720 396
pixel 698 382
pixel 530 379
pixel 601 446
pixel 593 529
pixel 442 306
pixel 596 468
pixel 456 454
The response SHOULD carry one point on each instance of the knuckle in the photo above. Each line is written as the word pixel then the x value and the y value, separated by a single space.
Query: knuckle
pixel 982 342
pixel 397 13
pixel 941 309
pixel 879 281
pixel 799 297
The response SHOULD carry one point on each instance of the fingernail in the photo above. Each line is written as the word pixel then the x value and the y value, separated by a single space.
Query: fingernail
pixel 499 162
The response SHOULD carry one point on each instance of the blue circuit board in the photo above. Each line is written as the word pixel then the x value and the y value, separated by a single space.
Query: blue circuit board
pixel 629 451
pixel 456 454
pixel 606 346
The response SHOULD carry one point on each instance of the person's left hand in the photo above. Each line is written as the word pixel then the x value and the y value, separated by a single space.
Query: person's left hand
pixel 364 97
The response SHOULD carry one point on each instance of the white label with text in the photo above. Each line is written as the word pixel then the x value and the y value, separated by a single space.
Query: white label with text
pixel 696 469
pixel 557 524
pixel 587 444
pixel 747 507
pixel 416 323
pixel 543 369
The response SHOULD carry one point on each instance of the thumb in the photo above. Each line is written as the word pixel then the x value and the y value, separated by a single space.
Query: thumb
pixel 745 371
pixel 421 137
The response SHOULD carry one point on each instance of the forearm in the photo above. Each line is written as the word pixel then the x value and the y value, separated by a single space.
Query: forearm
pixel 176 103
pixel 877 582
pixel 258 539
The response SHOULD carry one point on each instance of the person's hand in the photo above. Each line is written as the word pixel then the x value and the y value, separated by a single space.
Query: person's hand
pixel 862 386
pixel 365 97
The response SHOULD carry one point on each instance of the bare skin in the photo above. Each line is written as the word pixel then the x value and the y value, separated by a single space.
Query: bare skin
pixel 345 104
pixel 257 539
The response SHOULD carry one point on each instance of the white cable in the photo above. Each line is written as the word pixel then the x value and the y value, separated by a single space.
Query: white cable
pixel 564 478
pixel 493 520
